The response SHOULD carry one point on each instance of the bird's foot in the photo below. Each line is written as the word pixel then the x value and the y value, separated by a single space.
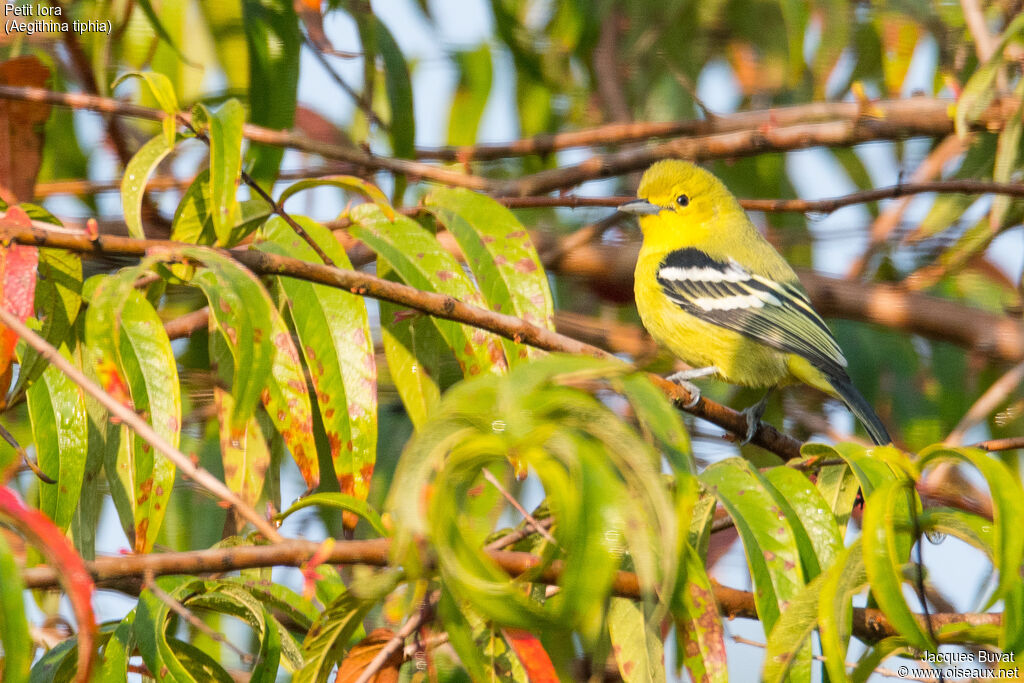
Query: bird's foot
pixel 683 377
pixel 753 415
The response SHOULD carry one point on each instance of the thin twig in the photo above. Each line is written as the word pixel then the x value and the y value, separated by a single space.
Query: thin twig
pixel 139 426
pixel 986 403
pixel 197 623
pixel 519 508
pixel 412 624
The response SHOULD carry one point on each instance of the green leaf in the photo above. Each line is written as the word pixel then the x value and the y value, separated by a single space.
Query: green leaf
pixel 793 629
pixel 347 183
pixel 414 349
pixel 813 522
pixel 882 650
pixel 334 334
pixel 242 312
pixel 15 641
pixel 636 643
pixel 339 624
pixel 274 44
pixel 339 501
pixel 501 256
pixel 1007 510
pixel 150 629
pixel 423 263
pixel 163 34
pixel 838 486
pixel 136 175
pixel 287 402
pixel 699 630
pixel 1007 157
pixel 193 219
pixel 58 298
pixel 659 417
pixel 123 329
pixel 225 133
pixel 471 94
pixel 886 542
pixel 768 538
pixel 159 85
pixel 56 409
pixel 980 90
pixel 398 86
pixel 837 585
pixel 244 454
pixel 118 649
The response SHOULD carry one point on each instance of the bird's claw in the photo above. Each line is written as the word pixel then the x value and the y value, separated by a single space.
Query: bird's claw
pixel 753 415
pixel 694 392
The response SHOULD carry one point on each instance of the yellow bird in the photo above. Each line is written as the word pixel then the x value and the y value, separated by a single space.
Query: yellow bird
pixel 718 295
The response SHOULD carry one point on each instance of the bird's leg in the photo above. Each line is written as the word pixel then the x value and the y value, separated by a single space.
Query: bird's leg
pixel 683 377
pixel 753 414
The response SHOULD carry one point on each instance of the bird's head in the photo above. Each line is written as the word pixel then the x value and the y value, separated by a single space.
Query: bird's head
pixel 677 196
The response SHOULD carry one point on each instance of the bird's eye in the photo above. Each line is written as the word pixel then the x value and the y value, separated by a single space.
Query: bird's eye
pixel 683 200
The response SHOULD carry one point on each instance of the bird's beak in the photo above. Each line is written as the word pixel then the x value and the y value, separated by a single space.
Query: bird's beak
pixel 640 207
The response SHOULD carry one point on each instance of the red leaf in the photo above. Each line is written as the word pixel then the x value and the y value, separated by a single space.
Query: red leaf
pixel 18 266
pixel 531 654
pixel 44 534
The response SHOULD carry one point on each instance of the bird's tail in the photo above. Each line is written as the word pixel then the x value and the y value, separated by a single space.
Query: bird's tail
pixel 860 407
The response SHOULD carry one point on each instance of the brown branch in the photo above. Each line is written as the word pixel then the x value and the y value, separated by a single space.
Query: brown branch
pixel 928 122
pixel 869 624
pixel 352 155
pixel 139 426
pixel 931 111
pixel 438 305
pixel 1007 444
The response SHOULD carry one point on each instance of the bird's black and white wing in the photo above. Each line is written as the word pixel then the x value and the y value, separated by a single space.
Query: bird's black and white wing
pixel 727 294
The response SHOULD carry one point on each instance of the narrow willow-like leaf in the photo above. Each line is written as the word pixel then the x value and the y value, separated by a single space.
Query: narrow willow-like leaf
pixel 327 640
pixel 1007 510
pixel 14 637
pixel 771 547
pixel 838 584
pixel 287 402
pixel 349 183
pixel 339 501
pixel 136 175
pixel 838 486
pixel 159 85
pixel 118 649
pixel 699 630
pixel 123 328
pixel 58 298
pixel 980 90
pixel 334 334
pixel 56 409
pixel 657 416
pixel 274 44
pixel 245 454
pixel 810 516
pixel 791 632
pixel 225 133
pixel 1007 156
pixel 636 643
pixel 471 94
pixel 875 655
pixel 885 519
pixel 501 256
pixel 423 263
pixel 398 86
pixel 150 628
pixel 242 312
